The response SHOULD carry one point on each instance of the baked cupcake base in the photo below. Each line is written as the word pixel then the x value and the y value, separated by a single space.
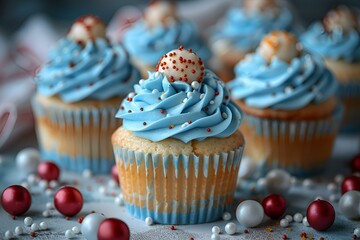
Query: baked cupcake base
pixel 300 146
pixel 175 182
pixel 76 136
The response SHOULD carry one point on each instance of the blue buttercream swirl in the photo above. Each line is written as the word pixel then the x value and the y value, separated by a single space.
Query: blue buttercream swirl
pixel 150 44
pixel 282 85
pixel 334 45
pixel 160 109
pixel 99 70
pixel 244 31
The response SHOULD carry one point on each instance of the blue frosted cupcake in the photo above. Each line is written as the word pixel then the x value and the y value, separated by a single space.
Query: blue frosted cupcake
pixel 179 149
pixel 242 29
pixel 291 112
pixel 159 32
pixel 78 92
pixel 337 40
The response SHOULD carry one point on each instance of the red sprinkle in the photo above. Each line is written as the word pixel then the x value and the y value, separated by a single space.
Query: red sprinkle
pixel 209 129
pixel 172 227
pixel 322 238
pixel 303 234
pixel 191 238
pixel 67 218
pixel 284 236
pixel 33 234
pixel 162 111
pixel 189 122
pixel 13 217
pixel 354 236
pixel 80 219
pixel 216 93
pixel 246 231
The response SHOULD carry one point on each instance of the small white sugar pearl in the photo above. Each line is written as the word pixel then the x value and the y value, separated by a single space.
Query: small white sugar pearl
pixel 305 222
pixel 284 223
pixel 19 230
pixel 87 173
pixel 43 226
pixel 215 229
pixel 289 218
pixel 9 234
pixel 76 230
pixel 34 227
pixel 226 216
pixel 215 236
pixel 298 217
pixel 28 221
pixel 230 228
pixel 69 234
pixel 149 221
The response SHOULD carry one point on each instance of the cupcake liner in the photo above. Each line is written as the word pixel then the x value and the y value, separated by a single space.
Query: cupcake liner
pixel 300 147
pixel 350 95
pixel 183 189
pixel 76 138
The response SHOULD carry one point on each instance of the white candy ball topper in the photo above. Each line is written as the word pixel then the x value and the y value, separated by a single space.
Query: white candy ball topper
pixel 341 18
pixel 278 181
pixel 87 28
pixel 279 44
pixel 349 204
pixel 230 228
pixel 250 213
pixel 28 159
pixel 160 13
pixel 181 65
pixel 90 225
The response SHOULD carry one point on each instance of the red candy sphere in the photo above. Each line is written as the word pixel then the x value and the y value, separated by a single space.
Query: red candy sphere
pixel 350 183
pixel 113 228
pixel 16 200
pixel 274 205
pixel 68 201
pixel 115 174
pixel 320 214
pixel 355 164
pixel 48 171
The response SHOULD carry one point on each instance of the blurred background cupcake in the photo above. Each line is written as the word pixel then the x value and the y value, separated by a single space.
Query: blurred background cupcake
pixel 291 112
pixel 179 149
pixel 337 40
pixel 160 31
pixel 78 92
pixel 241 30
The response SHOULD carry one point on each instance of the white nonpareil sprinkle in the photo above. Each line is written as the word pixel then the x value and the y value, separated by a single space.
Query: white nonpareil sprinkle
pixel 155 91
pixel 284 223
pixel 298 217
pixel 202 96
pixel 226 216
pixel 189 94
pixel 215 229
pixel 87 173
pixel 34 227
pixel 131 95
pixel 230 228
pixel 54 184
pixel 331 187
pixel 215 236
pixel 224 115
pixel 305 222
pixel 195 85
pixel 28 221
pixel 76 230
pixel 19 230
pixel 141 81
pixel 50 205
pixel 149 221
pixel 69 234
pixel 43 226
pixel 289 218
pixel 46 213
pixel 9 234
pixel 212 102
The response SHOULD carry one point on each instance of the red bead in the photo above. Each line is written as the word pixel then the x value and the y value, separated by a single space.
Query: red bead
pixel 172 227
pixel 274 205
pixel 16 200
pixel 320 214
pixel 355 164
pixel 68 201
pixel 115 174
pixel 48 171
pixel 350 183
pixel 113 228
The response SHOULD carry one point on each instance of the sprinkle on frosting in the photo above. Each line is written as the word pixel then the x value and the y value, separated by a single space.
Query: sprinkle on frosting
pixel 87 28
pixel 160 13
pixel 279 44
pixel 182 65
pixel 341 18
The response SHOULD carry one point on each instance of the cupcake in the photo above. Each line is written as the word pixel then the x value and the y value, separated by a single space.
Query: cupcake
pixel 337 40
pixel 291 114
pixel 242 29
pixel 160 31
pixel 178 151
pixel 78 92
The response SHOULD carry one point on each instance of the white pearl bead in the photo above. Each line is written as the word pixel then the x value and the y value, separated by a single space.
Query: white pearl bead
pixel 32 179
pixel 289 218
pixel 215 236
pixel 49 192
pixel 349 204
pixel 195 85
pixel 308 183
pixel 215 229
pixel 226 216
pixel 339 179
pixel 284 223
pixel 46 213
pixel 28 221
pixel 50 205
pixel 249 213
pixel 34 227
pixel 54 184
pixel 230 228
pixel 298 217
pixel 112 183
pixel 331 187
pixel 278 181
pixel 9 234
pixel 76 230
pixel 333 197
pixel 19 230
pixel 357 232
pixel 69 234
pixel 119 200
pixel 43 184
pixel 43 225
pixel 28 160
pixel 149 221
pixel 87 173
pixel 102 190
pixel 90 225
pixel 305 222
